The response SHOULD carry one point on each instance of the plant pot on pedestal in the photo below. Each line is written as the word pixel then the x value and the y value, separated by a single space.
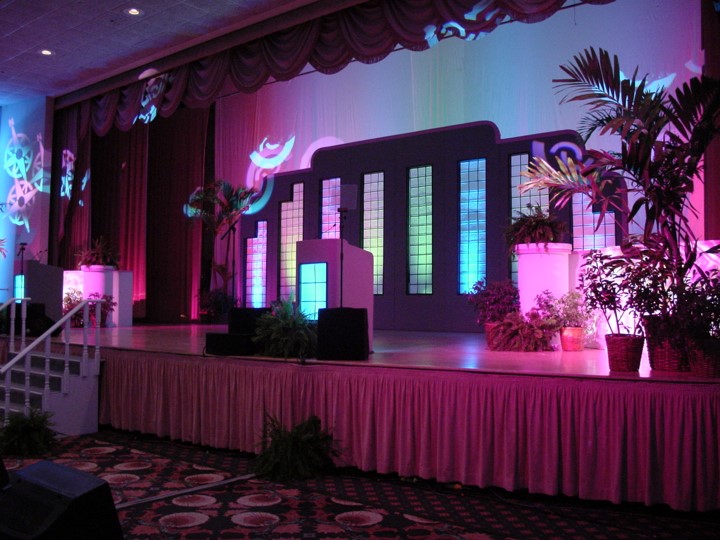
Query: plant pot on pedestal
pixel 624 351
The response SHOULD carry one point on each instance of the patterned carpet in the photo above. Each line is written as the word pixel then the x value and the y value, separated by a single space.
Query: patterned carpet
pixel 165 489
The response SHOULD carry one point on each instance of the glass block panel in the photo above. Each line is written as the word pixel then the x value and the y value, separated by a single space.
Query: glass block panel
pixel 420 230
pixel 256 268
pixel 291 232
pixel 472 219
pixel 374 223
pixel 313 289
pixel 330 202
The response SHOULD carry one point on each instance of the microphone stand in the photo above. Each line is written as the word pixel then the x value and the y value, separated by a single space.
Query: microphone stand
pixel 232 229
pixel 343 216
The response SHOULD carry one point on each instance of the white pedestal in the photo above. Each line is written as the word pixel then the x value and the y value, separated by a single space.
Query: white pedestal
pixel 113 282
pixel 543 267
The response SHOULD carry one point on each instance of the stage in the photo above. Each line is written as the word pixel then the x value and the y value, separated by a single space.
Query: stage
pixel 436 405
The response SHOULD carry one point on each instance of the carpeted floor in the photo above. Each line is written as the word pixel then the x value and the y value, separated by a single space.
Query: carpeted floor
pixel 165 489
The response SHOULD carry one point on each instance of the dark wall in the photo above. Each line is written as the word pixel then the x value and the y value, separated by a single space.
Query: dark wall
pixel 443 149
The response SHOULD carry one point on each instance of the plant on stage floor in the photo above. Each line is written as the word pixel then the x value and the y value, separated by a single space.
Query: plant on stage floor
pixel 30 435
pixel 534 227
pixel 74 298
pixel 494 300
pixel 286 332
pixel 529 332
pixel 303 452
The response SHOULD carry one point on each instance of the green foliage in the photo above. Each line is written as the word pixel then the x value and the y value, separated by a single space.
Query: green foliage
pixel 74 297
pixel 305 451
pixel 286 332
pixel 27 435
pixel 492 301
pixel 568 310
pixel 219 205
pixel 523 333
pixel 101 253
pixel 216 302
pixel 533 227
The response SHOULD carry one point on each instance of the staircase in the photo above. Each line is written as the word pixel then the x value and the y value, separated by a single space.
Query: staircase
pixel 39 377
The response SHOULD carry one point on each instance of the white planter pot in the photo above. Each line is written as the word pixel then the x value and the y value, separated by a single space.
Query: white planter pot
pixel 543 267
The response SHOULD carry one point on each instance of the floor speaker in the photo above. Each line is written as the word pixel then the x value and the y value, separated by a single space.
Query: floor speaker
pixel 46 500
pixel 244 320
pixel 343 334
pixel 229 344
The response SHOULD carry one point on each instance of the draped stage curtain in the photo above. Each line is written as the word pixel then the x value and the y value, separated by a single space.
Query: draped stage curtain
pixel 175 169
pixel 119 199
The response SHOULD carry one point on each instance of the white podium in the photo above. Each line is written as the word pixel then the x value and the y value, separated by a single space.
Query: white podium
pixel 356 278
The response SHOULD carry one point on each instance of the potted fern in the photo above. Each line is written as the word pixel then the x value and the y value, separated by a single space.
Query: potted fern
pixel 571 315
pixel 492 301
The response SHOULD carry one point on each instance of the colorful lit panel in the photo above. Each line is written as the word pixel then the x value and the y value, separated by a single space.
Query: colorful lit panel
pixel 313 294
pixel 584 221
pixel 420 230
pixel 256 268
pixel 374 223
pixel 518 202
pixel 473 218
pixel 291 232
pixel 330 226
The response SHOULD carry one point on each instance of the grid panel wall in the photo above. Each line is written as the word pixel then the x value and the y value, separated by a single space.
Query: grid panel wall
pixel 291 232
pixel 584 235
pixel 256 268
pixel 518 202
pixel 420 230
pixel 374 223
pixel 330 202
pixel 313 289
pixel 473 218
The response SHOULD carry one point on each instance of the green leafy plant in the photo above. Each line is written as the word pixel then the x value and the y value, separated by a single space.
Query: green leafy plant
pixel 216 302
pixel 286 332
pixel 305 451
pixel 568 311
pixel 29 435
pixel 494 300
pixel 100 253
pixel 74 297
pixel 529 332
pixel 534 227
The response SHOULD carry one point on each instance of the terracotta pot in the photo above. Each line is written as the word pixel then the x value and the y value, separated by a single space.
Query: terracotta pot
pixel 624 351
pixel 572 338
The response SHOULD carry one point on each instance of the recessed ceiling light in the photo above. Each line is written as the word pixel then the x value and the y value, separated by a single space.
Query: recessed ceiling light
pixel 134 11
pixel 46 52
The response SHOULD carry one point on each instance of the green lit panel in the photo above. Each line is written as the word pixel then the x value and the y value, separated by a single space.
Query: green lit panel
pixel 518 202
pixel 374 224
pixel 330 226
pixel 420 230
pixel 473 217
pixel 291 232
pixel 313 289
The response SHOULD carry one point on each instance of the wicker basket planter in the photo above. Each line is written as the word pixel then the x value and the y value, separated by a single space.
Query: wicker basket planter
pixel 572 338
pixel 624 351
pixel 704 357
pixel 664 354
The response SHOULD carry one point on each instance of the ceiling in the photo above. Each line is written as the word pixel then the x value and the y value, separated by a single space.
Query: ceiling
pixel 96 40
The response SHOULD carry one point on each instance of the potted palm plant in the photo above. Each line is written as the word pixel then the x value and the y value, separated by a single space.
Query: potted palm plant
pixel 699 310
pixel 662 138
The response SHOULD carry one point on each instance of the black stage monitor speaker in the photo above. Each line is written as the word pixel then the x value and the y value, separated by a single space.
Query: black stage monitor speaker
pixel 46 500
pixel 343 334
pixel 244 320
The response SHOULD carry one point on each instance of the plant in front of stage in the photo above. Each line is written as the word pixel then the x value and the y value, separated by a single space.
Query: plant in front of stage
pixel 286 332
pixel 303 452
pixel 30 435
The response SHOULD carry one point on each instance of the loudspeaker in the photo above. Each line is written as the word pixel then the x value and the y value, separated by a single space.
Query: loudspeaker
pixel 46 500
pixel 4 478
pixel 36 322
pixel 244 320
pixel 229 344
pixel 343 334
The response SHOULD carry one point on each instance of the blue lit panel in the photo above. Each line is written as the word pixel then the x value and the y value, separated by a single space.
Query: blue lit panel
pixel 291 232
pixel 19 286
pixel 420 230
pixel 374 224
pixel 313 289
pixel 256 268
pixel 473 218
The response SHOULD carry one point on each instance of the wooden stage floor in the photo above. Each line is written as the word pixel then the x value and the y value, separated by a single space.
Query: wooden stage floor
pixel 409 350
